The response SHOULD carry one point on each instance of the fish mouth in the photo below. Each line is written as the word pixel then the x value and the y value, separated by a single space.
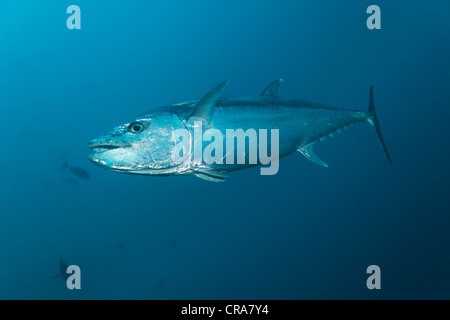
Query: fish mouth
pixel 100 147
pixel 105 153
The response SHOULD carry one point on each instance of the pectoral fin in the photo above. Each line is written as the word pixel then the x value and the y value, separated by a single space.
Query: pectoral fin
pixel 209 175
pixel 309 154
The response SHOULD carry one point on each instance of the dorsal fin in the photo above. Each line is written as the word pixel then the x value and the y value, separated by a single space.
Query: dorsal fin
pixel 205 105
pixel 272 89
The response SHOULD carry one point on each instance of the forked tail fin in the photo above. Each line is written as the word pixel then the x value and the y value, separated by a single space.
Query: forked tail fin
pixel 373 120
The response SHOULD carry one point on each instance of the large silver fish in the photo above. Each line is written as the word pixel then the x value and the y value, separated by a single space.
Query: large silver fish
pixel 147 145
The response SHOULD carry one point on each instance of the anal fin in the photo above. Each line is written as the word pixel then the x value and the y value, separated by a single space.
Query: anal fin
pixel 309 154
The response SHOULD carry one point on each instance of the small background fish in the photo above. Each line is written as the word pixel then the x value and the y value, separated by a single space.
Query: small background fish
pixel 76 171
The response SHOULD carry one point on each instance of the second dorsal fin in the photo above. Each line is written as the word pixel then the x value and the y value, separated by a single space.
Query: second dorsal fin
pixel 272 89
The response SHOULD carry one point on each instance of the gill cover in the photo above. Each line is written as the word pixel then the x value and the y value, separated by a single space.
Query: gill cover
pixel 162 139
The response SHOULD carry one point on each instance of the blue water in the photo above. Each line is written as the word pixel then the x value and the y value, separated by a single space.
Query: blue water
pixel 305 233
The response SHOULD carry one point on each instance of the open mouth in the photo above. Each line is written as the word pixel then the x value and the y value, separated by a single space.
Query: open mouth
pixel 98 147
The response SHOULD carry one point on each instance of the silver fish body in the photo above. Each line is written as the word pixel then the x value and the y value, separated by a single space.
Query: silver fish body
pixel 147 145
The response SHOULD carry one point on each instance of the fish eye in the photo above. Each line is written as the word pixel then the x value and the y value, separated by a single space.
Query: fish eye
pixel 135 127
